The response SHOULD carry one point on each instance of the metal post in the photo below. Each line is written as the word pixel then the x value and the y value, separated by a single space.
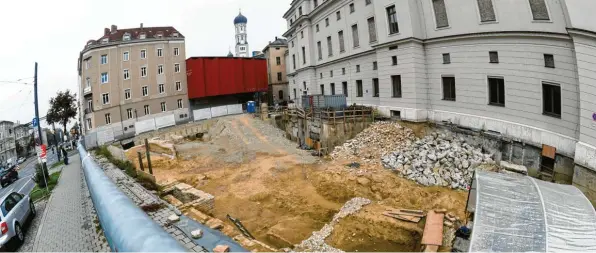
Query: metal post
pixel 43 163
pixel 140 161
pixel 148 157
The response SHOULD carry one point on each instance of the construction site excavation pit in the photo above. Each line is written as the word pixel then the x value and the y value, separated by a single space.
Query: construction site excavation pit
pixel 285 196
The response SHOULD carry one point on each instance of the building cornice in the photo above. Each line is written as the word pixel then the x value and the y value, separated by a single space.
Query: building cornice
pixel 118 43
pixel 582 32
pixel 552 35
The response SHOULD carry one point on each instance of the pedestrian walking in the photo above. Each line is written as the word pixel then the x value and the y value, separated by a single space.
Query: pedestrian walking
pixel 65 155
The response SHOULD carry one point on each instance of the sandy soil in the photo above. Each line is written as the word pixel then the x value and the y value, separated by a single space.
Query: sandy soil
pixel 282 194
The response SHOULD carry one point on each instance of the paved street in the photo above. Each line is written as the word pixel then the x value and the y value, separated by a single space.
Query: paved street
pixel 25 183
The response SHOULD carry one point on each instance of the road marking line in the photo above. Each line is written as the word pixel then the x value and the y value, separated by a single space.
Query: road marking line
pixel 24 185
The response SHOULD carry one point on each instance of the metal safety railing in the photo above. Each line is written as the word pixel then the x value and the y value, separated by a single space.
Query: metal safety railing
pixel 126 227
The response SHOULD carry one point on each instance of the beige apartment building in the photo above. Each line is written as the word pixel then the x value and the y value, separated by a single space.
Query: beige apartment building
pixel 275 53
pixel 131 75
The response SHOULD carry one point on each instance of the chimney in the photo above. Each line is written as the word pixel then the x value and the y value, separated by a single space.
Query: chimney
pixel 106 31
pixel 141 25
pixel 114 28
pixel 276 38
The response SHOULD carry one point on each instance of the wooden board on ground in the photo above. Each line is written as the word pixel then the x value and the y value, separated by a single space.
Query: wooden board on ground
pixel 403 217
pixel 401 212
pixel 433 229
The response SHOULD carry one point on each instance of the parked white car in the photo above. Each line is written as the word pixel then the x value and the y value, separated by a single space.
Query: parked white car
pixel 15 210
pixel 21 160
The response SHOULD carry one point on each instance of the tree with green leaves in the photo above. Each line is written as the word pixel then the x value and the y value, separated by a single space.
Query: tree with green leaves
pixel 63 108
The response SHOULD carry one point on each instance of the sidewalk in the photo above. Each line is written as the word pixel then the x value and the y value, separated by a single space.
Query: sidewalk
pixel 68 221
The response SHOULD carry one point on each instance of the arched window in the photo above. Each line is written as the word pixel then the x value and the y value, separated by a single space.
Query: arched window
pixel 281 94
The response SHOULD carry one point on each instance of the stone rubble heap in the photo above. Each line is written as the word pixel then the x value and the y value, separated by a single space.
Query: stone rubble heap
pixel 316 242
pixel 379 139
pixel 438 159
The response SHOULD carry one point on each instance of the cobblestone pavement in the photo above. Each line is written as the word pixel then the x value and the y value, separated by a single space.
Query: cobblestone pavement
pixel 68 222
pixel 27 245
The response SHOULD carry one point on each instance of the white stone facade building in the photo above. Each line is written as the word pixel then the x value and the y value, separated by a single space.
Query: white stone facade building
pixel 523 68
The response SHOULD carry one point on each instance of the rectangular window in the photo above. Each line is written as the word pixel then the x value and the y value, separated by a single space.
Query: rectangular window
pixel 539 10
pixel 332 86
pixel 551 98
pixel 338 14
pixel 105 98
pixel 493 57
pixel 331 73
pixel 322 89
pixel 375 67
pixel 440 13
pixel 295 94
pixel 178 86
pixel 177 68
pixel 88 82
pixel 176 51
pixel 326 22
pixel 161 88
pixel 446 58
pixel 317 27
pixel 357 68
pixel 448 88
pixel 316 3
pixel 344 86
pixel 300 11
pixel 147 109
pixel 487 11
pixel 496 91
pixel 126 75
pixel 343 71
pixel 129 113
pixel 104 77
pixel 394 60
pixel 321 75
pixel 372 30
pixel 159 52
pixel 375 87
pixel 320 50
pixel 143 54
pixel 396 86
pixel 368 2
pixel 352 8
pixel 163 106
pixel 549 60
pixel 294 61
pixel 342 46
pixel 302 34
pixel 359 91
pixel 355 36
pixel 392 20
pixel 104 59
pixel 87 64
pixel 108 119
pixel 160 69
pixel 329 46
pixel 303 55
pixel 143 71
pixel 145 91
pixel 127 94
pixel 89 126
pixel 278 60
pixel 125 56
pixel 180 105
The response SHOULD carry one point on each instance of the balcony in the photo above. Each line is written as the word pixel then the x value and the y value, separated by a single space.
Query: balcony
pixel 87 90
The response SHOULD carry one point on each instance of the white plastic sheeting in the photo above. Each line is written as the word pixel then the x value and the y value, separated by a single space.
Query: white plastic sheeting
pixel 202 114
pixel 219 111
pixel 520 214
pixel 144 126
pixel 165 121
pixel 234 109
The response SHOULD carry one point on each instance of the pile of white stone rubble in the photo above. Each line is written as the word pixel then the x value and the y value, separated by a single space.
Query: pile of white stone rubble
pixel 440 158
pixel 379 139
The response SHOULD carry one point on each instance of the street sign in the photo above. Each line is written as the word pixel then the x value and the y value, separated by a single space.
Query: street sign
pixel 34 122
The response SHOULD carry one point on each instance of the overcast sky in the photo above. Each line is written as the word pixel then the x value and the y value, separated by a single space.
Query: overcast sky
pixel 54 32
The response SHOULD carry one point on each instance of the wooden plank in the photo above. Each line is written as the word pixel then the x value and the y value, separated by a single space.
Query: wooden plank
pixel 431 248
pixel 548 151
pixel 433 229
pixel 403 217
pixel 412 211
pixel 397 211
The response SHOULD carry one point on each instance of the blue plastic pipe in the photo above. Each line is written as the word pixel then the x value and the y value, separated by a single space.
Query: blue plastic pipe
pixel 127 228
